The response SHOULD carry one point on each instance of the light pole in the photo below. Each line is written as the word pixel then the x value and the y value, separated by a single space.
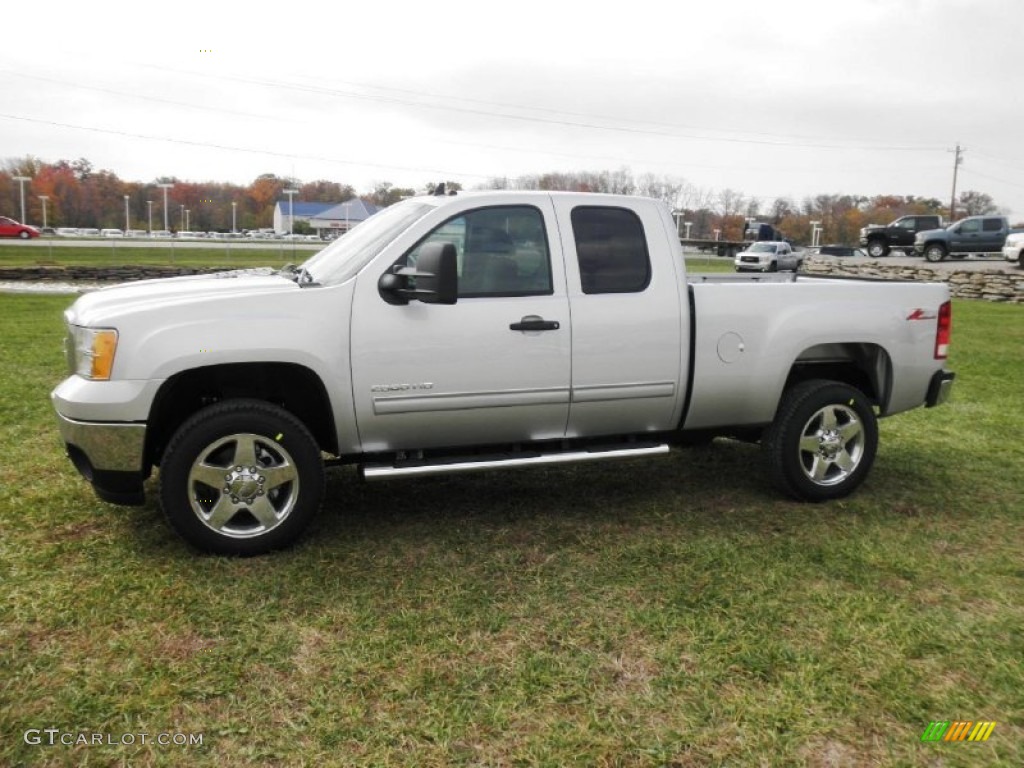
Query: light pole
pixel 687 224
pixel 815 232
pixel 186 219
pixel 165 187
pixel 234 213
pixel 291 209
pixel 21 182
pixel 127 218
pixel 44 198
pixel 182 225
pixel 149 205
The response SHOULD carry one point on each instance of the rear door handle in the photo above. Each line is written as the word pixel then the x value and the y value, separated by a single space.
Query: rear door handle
pixel 535 323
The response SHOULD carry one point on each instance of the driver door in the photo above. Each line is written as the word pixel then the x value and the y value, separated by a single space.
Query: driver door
pixel 492 368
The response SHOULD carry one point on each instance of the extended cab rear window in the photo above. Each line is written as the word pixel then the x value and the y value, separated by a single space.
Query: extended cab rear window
pixel 611 248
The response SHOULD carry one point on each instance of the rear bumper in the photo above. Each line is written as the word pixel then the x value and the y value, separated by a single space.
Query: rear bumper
pixel 939 388
pixel 108 455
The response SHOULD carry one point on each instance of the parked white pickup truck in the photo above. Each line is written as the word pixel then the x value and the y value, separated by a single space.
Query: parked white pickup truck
pixel 485 330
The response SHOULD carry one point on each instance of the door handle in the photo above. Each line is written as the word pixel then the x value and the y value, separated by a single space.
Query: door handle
pixel 535 323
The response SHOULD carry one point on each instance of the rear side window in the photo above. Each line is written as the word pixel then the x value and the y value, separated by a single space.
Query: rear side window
pixel 991 225
pixel 611 249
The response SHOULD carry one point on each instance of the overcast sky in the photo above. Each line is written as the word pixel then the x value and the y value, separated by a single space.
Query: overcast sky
pixel 785 98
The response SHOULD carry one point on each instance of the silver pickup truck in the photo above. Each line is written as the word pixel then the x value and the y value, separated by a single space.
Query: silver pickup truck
pixel 484 330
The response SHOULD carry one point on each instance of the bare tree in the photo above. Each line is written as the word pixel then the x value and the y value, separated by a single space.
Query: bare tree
pixel 730 203
pixel 974 203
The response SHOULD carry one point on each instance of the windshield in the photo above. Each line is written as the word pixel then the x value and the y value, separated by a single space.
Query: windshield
pixel 762 248
pixel 352 251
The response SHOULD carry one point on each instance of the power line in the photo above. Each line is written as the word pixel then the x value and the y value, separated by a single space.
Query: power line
pixel 525 118
pixel 211 145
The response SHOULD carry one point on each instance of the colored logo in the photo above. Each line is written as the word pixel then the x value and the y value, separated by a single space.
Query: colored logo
pixel 958 730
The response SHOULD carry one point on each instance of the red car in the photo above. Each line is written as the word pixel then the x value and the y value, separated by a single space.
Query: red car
pixel 11 228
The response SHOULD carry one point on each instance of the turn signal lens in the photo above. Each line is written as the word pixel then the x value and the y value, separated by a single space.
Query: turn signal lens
pixel 94 350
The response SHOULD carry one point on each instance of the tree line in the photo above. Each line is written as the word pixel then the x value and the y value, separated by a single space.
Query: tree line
pixel 78 195
pixel 727 211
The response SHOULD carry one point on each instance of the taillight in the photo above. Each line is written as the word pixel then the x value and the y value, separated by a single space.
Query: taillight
pixel 943 330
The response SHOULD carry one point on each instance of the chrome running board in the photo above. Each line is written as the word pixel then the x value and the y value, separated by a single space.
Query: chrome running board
pixel 450 465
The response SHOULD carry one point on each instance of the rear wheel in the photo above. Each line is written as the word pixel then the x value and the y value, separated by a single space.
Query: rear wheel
pixel 877 249
pixel 823 441
pixel 241 477
pixel 935 252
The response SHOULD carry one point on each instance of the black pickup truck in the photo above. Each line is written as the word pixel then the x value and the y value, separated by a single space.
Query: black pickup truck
pixel 899 234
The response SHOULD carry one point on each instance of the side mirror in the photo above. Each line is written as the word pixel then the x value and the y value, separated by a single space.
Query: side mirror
pixel 435 278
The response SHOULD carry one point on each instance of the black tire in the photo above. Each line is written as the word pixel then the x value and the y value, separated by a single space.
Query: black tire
pixel 773 267
pixel 268 472
pixel 878 249
pixel 934 252
pixel 823 441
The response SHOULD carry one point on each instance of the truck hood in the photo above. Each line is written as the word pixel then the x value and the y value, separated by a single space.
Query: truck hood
pixel 925 234
pixel 107 305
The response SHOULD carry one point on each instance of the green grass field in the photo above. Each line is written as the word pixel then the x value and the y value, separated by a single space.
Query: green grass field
pixel 230 254
pixel 671 612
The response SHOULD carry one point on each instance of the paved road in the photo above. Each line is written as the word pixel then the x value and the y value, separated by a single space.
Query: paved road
pixel 949 265
pixel 115 243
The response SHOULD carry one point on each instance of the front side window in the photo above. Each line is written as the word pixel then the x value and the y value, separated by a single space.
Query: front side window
pixel 612 250
pixel 502 251
pixel 969 227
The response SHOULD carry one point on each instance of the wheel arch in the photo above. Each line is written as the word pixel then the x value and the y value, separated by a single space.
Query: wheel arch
pixel 291 386
pixel 863 365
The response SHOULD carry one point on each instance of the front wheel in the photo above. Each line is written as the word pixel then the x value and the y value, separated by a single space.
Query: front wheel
pixel 823 441
pixel 934 253
pixel 878 249
pixel 24 235
pixel 241 477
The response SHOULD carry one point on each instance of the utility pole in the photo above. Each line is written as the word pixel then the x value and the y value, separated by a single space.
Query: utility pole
pixel 957 159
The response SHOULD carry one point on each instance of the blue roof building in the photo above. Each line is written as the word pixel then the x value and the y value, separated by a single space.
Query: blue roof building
pixel 339 217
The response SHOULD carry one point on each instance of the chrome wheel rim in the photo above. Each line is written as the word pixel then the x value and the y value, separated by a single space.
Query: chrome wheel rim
pixel 831 445
pixel 243 485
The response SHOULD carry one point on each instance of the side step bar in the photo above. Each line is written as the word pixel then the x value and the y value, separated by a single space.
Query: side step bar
pixel 449 465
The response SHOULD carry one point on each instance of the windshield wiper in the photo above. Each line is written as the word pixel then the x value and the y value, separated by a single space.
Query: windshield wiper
pixel 304 278
pixel 300 275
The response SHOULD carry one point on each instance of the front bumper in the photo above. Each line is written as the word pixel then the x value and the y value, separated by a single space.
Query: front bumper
pixel 108 455
pixel 939 388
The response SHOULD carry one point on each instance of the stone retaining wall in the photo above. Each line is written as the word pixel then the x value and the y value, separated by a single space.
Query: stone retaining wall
pixel 991 285
pixel 105 274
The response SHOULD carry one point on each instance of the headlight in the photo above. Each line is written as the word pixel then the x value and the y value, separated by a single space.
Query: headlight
pixel 91 351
